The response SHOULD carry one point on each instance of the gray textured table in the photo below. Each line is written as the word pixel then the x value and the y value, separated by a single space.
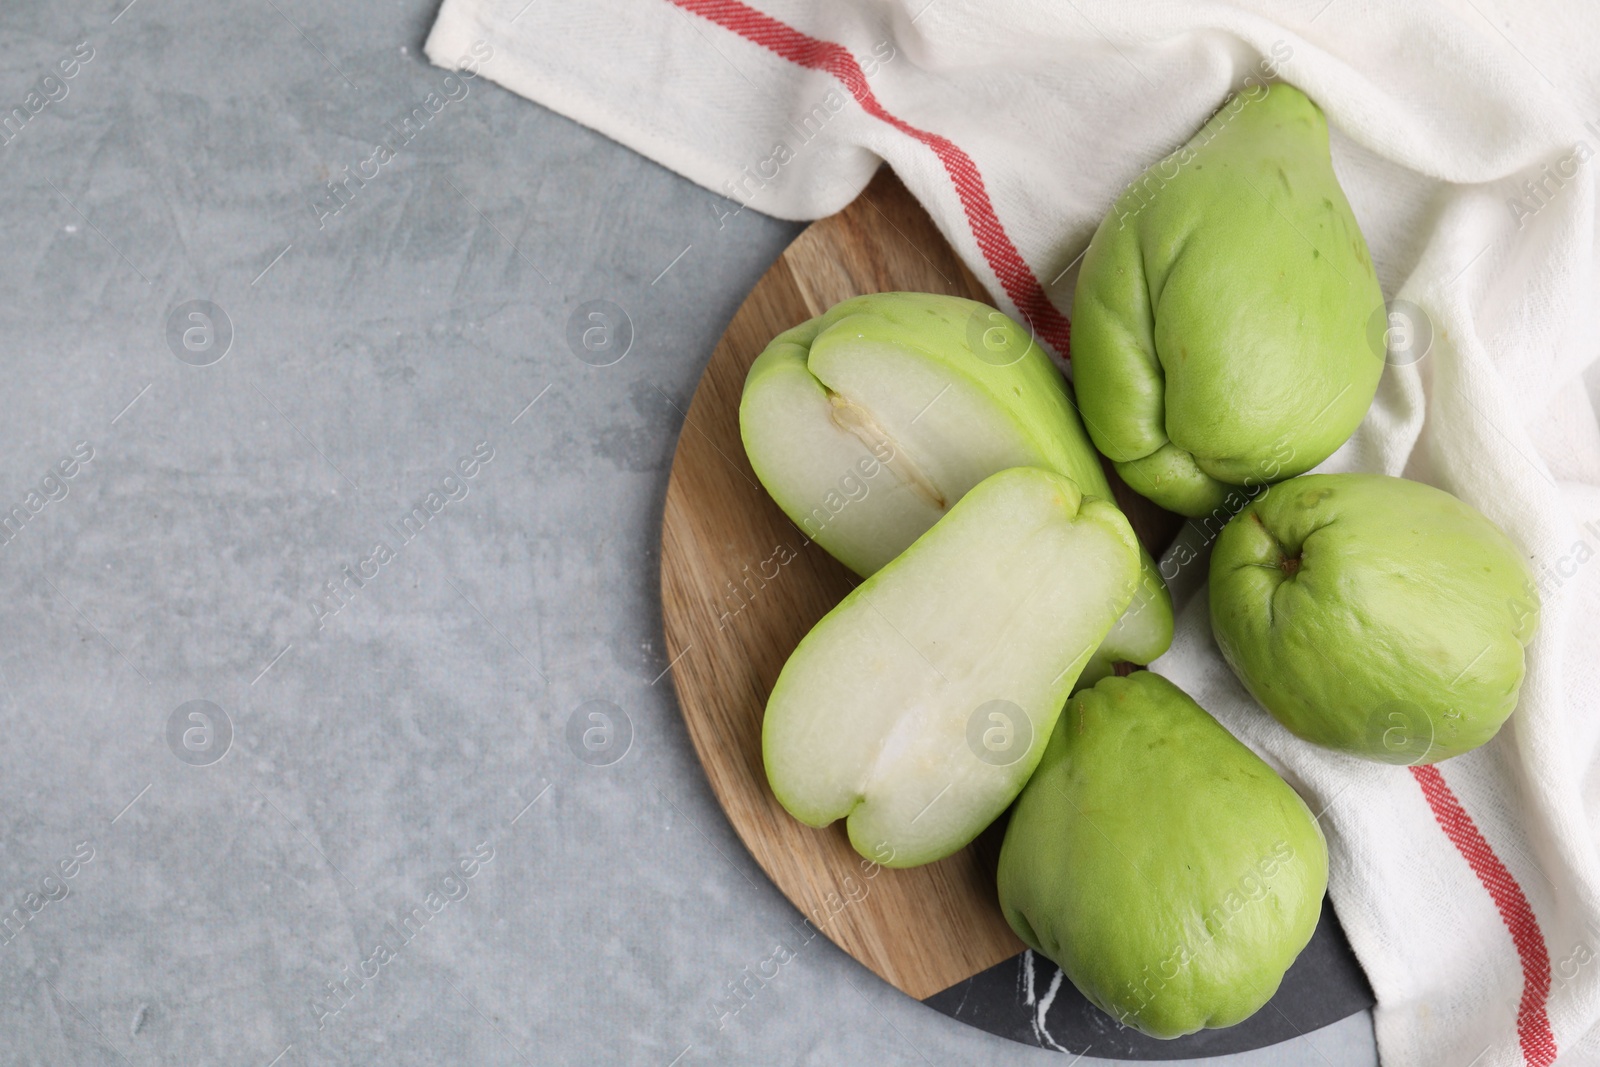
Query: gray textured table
pixel 301 594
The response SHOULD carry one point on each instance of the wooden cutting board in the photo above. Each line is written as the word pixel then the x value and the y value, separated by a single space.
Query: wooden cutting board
pixel 740 586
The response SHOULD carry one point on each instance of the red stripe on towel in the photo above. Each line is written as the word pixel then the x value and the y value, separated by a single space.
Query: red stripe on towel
pixel 1533 1025
pixel 1016 277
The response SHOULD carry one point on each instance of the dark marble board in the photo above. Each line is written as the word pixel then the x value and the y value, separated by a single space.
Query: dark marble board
pixel 1029 1000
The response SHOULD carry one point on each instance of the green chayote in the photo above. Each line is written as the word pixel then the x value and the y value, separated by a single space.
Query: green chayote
pixel 1168 871
pixel 1220 328
pixel 1374 615
pixel 870 421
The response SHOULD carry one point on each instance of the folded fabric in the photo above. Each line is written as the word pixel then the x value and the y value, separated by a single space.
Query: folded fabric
pixel 1465 136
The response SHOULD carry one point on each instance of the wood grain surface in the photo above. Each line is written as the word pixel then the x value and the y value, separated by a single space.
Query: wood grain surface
pixel 741 585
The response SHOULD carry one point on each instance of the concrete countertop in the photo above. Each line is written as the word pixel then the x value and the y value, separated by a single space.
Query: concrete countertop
pixel 351 532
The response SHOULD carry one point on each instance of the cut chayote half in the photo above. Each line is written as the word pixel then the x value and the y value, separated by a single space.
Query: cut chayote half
pixel 917 707
pixel 869 422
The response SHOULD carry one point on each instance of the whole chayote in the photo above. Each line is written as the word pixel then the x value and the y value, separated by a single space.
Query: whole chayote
pixel 1171 873
pixel 1374 615
pixel 1220 328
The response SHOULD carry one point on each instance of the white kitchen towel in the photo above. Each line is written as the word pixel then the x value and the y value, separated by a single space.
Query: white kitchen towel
pixel 1465 133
